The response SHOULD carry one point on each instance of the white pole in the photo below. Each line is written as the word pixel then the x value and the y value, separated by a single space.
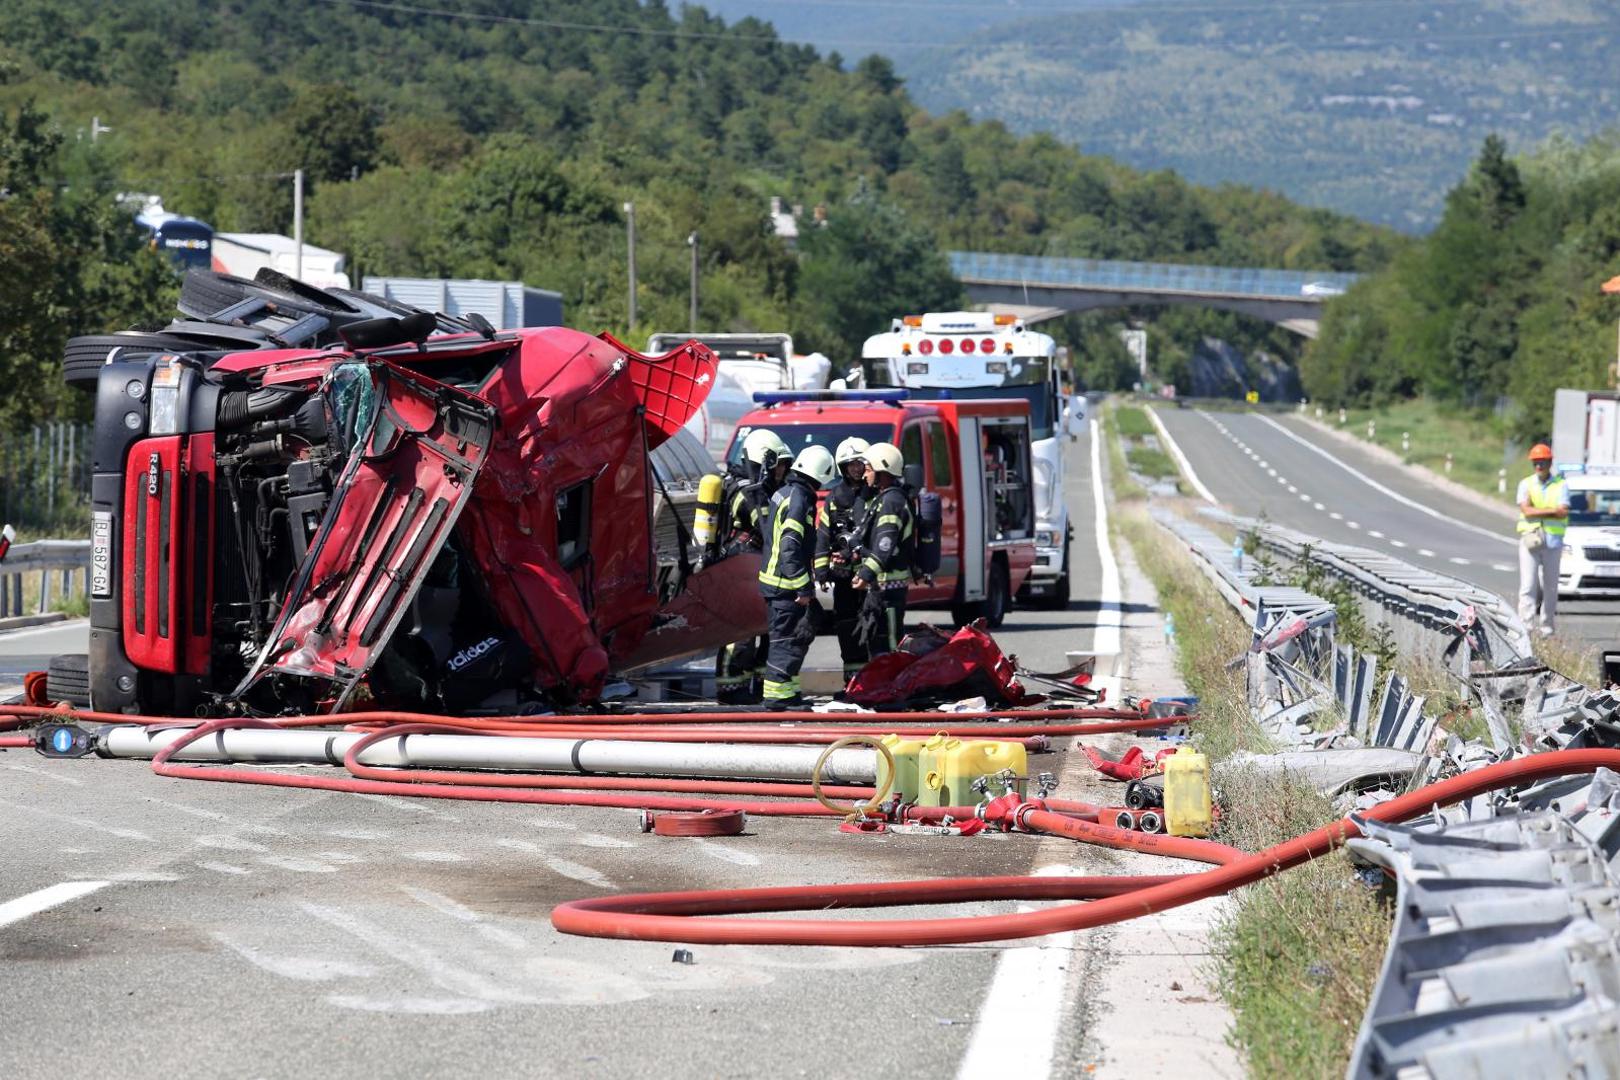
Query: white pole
pixel 298 224
pixel 854 766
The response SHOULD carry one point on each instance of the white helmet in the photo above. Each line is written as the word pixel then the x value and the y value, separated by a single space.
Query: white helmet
pixel 765 448
pixel 885 457
pixel 817 464
pixel 851 449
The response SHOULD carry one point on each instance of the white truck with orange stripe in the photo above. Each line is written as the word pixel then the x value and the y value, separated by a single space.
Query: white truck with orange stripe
pixel 971 355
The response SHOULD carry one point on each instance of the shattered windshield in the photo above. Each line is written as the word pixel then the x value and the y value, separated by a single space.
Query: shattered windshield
pixel 351 401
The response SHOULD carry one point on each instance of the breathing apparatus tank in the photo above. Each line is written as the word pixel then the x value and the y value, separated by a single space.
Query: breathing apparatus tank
pixel 705 523
pixel 929 520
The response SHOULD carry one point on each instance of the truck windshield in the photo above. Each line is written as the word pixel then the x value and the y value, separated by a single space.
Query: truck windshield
pixel 1594 507
pixel 1039 396
pixel 799 436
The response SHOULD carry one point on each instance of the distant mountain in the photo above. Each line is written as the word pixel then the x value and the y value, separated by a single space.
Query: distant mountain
pixel 1373 108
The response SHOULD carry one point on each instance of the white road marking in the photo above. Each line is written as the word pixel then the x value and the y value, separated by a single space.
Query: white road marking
pixel 735 856
pixel 1353 524
pixel 47 774
pixel 1459 561
pixel 44 899
pixel 1105 639
pixel 297 865
pixel 580 872
pixel 1398 543
pixel 433 856
pixel 1426 553
pixel 1319 506
pixel 1305 498
pixel 222 868
pixel 404 804
pixel 1502 568
pixel 446 906
pixel 1017 1027
pixel 48 628
pixel 597 840
pixel 1375 534
pixel 1282 479
pixel 1180 459
pixel 83 823
pixel 1271 472
pixel 1292 490
pixel 1387 491
pixel 1335 515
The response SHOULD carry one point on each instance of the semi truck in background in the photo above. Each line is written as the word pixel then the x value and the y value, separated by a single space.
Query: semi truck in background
pixel 1586 449
pixel 508 305
pixel 973 355
pixel 749 364
pixel 185 241
pixel 245 254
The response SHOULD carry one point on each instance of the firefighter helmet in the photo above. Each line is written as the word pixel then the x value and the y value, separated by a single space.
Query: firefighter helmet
pixel 851 449
pixel 885 457
pixel 815 463
pixel 765 448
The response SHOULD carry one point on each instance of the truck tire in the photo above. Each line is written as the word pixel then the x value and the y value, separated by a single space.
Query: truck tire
pixel 998 596
pixel 205 293
pixel 1062 590
pixel 83 357
pixel 68 680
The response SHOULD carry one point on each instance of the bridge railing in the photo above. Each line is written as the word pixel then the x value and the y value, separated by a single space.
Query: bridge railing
pixel 986 267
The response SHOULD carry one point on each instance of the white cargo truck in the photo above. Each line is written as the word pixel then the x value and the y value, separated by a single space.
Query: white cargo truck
pixel 245 254
pixel 969 355
pixel 1586 449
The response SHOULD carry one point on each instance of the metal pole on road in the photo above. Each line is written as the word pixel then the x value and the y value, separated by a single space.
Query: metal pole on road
pixel 630 236
pixel 692 242
pixel 853 766
pixel 298 224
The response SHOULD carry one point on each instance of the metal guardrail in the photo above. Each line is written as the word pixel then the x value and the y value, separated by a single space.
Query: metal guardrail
pixel 1503 961
pixel 990 268
pixel 57 562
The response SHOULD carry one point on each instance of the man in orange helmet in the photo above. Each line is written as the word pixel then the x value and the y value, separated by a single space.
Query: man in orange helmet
pixel 1543 519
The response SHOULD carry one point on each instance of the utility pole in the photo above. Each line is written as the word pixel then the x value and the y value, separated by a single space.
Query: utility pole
pixel 298 224
pixel 630 233
pixel 692 242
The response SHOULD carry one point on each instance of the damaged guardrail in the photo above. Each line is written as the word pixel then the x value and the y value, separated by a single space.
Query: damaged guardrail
pixel 1503 960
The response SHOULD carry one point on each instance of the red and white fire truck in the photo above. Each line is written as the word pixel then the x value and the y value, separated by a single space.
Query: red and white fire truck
pixel 975 455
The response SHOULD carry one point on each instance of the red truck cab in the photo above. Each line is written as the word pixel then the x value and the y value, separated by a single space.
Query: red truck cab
pixel 974 454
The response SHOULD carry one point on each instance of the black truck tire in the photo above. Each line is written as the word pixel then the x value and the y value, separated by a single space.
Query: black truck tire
pixel 68 680
pixel 83 357
pixel 205 293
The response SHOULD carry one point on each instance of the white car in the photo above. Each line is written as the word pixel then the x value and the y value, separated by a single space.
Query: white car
pixel 1320 288
pixel 1590 566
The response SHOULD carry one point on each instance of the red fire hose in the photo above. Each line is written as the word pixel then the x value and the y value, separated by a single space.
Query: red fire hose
pixel 669 916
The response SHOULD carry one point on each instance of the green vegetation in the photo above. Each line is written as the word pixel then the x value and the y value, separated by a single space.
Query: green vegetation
pixel 1499 306
pixel 1369 108
pixel 1478 441
pixel 1152 463
pixel 502 143
pixel 1298 954
pixel 1133 421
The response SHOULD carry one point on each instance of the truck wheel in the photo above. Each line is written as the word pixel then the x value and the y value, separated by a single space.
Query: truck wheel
pixel 205 293
pixel 998 597
pixel 68 680
pixel 83 357
pixel 1058 598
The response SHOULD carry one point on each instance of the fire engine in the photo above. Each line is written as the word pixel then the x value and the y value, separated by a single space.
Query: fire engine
pixel 974 355
pixel 975 455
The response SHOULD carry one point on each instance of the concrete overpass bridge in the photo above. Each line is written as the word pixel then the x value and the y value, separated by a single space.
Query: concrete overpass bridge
pixel 1040 288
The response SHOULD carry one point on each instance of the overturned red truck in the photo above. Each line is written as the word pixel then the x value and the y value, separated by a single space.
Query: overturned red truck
pixel 453 522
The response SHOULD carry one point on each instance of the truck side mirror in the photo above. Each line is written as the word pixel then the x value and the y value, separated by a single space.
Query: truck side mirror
pixel 1075 412
pixel 914 477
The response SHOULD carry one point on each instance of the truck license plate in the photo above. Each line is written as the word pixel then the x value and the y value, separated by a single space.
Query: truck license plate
pixel 101 529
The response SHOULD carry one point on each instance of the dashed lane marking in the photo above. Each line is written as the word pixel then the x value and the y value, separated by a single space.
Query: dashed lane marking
pixel 1375 534
pixel 1384 489
pixel 1502 568
pixel 1459 560
pixel 1426 553
pixel 1398 543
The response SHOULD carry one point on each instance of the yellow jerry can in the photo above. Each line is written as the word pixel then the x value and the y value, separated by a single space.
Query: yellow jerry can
pixel 907 776
pixel 1186 794
pixel 949 766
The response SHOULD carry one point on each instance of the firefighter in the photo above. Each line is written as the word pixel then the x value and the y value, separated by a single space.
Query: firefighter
pixel 739 668
pixel 784 580
pixel 886 550
pixel 839 525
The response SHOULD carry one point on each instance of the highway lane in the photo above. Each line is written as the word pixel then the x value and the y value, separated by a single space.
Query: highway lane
pixel 255 930
pixel 1282 468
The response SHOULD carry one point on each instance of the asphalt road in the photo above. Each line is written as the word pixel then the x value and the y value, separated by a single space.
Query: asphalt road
pixel 1288 471
pixel 250 931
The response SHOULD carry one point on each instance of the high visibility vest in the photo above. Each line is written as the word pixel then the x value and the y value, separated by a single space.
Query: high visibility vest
pixel 1544 497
